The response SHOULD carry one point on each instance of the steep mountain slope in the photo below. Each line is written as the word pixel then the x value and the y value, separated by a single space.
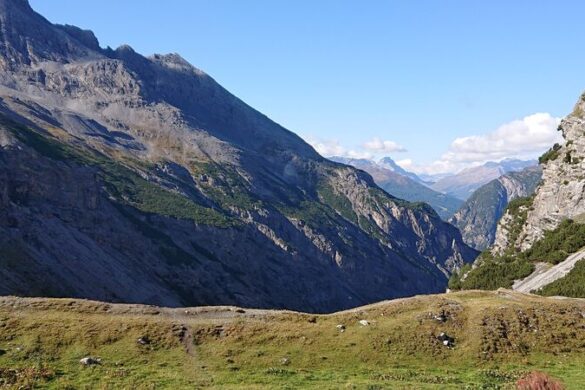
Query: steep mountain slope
pixel 561 194
pixel 497 338
pixel 477 219
pixel 134 179
pixel 545 228
pixel 403 187
pixel 463 184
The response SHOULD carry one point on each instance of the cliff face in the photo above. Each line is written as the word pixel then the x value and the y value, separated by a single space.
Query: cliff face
pixel 136 179
pixel 478 218
pixel 561 193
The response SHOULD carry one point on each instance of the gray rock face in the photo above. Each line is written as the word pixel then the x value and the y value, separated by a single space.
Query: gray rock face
pixel 478 218
pixel 560 196
pixel 125 178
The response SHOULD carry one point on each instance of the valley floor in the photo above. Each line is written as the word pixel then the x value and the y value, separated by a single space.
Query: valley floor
pixel 494 338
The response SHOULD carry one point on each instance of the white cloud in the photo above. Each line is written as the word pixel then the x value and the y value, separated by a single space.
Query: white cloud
pixel 330 148
pixel 407 163
pixel 372 149
pixel 326 148
pixel 376 145
pixel 523 139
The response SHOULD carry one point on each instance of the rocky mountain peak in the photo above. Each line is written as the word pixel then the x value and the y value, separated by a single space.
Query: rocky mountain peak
pixel 86 37
pixel 27 38
pixel 22 5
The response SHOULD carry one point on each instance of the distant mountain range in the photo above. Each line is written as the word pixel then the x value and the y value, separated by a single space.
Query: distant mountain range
pixel 463 184
pixel 404 185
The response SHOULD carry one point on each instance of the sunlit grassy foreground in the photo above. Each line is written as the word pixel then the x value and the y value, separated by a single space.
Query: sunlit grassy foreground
pixel 498 337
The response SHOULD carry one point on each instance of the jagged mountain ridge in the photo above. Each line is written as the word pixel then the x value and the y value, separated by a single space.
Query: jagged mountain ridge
pixel 463 184
pixel 401 184
pixel 478 217
pixel 135 179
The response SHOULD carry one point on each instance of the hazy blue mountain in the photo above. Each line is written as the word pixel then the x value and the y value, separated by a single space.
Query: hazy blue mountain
pixel 463 184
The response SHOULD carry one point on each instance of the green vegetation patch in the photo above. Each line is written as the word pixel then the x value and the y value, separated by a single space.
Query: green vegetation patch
pixel 492 273
pixel 338 202
pixel 558 244
pixel 122 182
pixel 229 189
pixel 518 210
pixel 550 155
pixel 572 285
pixel 129 187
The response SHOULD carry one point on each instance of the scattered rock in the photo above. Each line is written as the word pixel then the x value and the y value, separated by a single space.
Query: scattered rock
pixel 447 340
pixel 442 317
pixel 144 340
pixel 364 323
pixel 241 311
pixel 89 361
pixel 180 331
pixel 341 328
pixel 285 361
pixel 313 320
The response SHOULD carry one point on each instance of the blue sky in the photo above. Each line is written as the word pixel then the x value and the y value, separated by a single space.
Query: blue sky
pixel 451 82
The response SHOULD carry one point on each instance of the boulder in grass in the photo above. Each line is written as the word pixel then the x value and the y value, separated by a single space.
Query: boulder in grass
pixel 447 340
pixel 89 361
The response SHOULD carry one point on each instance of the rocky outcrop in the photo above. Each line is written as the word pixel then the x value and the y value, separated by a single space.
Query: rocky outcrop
pixel 478 218
pixel 561 194
pixel 139 179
